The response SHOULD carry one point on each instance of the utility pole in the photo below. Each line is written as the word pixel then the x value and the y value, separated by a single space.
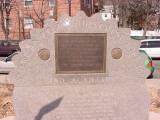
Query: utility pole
pixel 69 2
pixel 92 7
pixel 55 10
pixel 98 5
pixel 19 24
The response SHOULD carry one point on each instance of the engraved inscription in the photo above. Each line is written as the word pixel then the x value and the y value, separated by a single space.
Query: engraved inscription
pixel 80 53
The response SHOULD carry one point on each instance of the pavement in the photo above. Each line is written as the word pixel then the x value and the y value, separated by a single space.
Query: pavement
pixel 9 118
pixel 152 116
pixel 4 78
pixel 153 82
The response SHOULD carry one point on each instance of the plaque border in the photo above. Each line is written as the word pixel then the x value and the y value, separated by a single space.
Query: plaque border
pixel 80 34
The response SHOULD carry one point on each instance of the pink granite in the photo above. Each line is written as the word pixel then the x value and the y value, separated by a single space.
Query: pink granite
pixel 118 94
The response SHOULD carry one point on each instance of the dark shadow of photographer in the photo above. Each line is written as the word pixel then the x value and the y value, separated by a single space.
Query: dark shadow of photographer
pixel 48 108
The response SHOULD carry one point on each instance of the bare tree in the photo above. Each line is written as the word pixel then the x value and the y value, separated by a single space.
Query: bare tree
pixel 148 8
pixel 120 8
pixel 99 3
pixel 141 12
pixel 37 13
pixel 123 12
pixel 115 7
pixel 5 10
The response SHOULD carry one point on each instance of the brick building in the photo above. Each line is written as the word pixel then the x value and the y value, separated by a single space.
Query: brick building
pixel 28 14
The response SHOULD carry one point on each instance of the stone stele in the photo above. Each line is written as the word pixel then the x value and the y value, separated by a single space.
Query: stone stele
pixel 118 94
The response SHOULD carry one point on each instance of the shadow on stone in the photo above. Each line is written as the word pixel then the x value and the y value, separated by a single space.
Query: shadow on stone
pixel 48 108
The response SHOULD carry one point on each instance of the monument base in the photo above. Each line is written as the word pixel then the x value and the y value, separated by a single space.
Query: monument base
pixel 82 102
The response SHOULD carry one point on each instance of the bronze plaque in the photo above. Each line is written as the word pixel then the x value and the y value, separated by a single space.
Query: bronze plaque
pixel 44 54
pixel 116 53
pixel 80 53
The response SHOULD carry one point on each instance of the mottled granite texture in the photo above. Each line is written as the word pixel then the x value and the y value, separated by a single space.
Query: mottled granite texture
pixel 40 94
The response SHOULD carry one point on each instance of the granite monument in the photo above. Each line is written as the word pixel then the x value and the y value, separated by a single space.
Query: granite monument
pixel 80 68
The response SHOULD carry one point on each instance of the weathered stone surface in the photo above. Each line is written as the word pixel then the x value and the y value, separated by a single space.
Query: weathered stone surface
pixel 91 102
pixel 117 94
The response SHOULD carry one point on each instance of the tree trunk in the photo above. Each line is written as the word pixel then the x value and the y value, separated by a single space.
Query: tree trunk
pixel 7 27
pixel 124 19
pixel 114 9
pixel 123 13
pixel 2 24
pixel 124 22
pixel 145 30
pixel 4 14
pixel 98 5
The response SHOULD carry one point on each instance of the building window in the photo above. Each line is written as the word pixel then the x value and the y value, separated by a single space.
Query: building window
pixel 19 12
pixel 51 13
pixel 6 3
pixel 5 23
pixel 27 37
pixel 28 23
pixel 153 23
pixel 110 10
pixel 89 4
pixel 51 2
pixel 28 3
pixel 84 3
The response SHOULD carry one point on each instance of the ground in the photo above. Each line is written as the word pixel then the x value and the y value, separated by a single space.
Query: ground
pixel 155 100
pixel 6 104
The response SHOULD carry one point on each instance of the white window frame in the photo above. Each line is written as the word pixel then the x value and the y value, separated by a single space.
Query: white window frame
pixel 51 12
pixel 153 23
pixel 5 23
pixel 28 1
pixel 28 24
pixel 50 3
pixel 19 12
